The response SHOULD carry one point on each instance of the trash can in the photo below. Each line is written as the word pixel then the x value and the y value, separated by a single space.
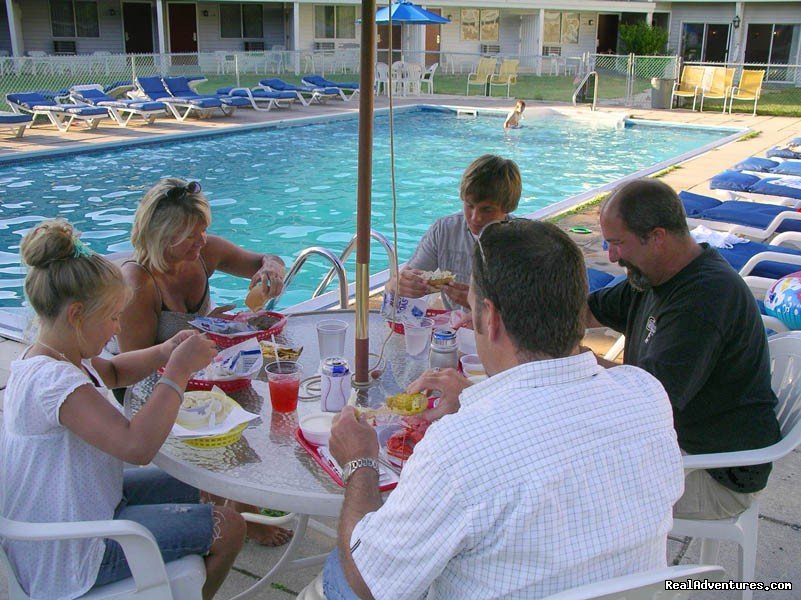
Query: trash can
pixel 661 92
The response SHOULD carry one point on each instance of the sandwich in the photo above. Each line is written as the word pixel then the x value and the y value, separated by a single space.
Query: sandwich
pixel 438 278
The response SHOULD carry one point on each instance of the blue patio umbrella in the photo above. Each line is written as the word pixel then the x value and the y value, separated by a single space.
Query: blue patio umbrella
pixel 404 11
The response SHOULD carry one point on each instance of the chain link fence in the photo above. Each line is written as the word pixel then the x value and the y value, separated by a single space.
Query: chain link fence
pixel 623 80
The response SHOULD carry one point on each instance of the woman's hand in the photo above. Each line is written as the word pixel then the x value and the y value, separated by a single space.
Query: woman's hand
pixel 270 276
pixel 194 352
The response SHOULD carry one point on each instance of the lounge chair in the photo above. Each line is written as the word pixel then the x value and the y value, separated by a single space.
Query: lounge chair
pixel 152 88
pixel 121 110
pixel 690 84
pixel 756 164
pixel 719 87
pixel 180 88
pixel 772 261
pixel 305 93
pixel 764 187
pixel 790 150
pixel 506 76
pixel 750 219
pixel 347 90
pixel 748 89
pixel 259 98
pixel 60 115
pixel 481 76
pixel 16 123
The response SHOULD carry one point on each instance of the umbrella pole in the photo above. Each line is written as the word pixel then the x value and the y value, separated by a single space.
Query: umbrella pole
pixel 363 198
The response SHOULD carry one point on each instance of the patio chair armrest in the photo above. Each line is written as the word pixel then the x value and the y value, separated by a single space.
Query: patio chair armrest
pixel 751 263
pixel 743 458
pixel 265 520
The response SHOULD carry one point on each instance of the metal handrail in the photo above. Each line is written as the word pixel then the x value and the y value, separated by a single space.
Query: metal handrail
pixel 381 239
pixel 337 268
pixel 594 90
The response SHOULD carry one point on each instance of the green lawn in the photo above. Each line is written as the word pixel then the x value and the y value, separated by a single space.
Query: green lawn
pixel 785 101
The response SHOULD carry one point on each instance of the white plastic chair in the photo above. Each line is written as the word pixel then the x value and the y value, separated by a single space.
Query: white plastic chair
pixel 649 585
pixel 785 358
pixel 381 78
pixel 411 83
pixel 181 579
pixel 428 79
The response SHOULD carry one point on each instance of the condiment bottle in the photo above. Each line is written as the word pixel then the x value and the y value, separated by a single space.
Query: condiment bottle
pixel 443 353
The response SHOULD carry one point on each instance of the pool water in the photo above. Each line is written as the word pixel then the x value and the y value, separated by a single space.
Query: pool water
pixel 281 190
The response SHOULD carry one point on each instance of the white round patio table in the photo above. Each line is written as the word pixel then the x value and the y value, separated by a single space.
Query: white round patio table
pixel 267 467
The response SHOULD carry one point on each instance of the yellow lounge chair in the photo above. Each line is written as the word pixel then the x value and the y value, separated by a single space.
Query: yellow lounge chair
pixel 720 85
pixel 507 76
pixel 748 89
pixel 485 68
pixel 691 82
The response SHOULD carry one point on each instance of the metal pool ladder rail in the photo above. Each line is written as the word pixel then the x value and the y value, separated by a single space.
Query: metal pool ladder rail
pixel 594 89
pixel 381 239
pixel 337 268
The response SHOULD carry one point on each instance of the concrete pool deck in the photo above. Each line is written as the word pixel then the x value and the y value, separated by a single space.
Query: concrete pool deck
pixel 779 549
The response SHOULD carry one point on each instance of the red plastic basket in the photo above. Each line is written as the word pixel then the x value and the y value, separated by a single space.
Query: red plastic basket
pixel 226 385
pixel 226 341
pixel 397 326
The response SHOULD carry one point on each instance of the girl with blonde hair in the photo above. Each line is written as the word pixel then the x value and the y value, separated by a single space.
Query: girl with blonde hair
pixel 64 442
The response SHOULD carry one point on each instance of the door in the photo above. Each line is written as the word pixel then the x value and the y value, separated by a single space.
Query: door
pixel 382 33
pixel 433 40
pixel 607 34
pixel 183 28
pixel 137 27
pixel 717 43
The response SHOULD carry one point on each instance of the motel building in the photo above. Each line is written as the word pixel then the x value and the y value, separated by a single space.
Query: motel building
pixel 766 32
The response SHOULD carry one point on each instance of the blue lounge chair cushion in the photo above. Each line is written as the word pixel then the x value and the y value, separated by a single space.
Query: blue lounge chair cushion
pixel 30 99
pixel 319 81
pixel 782 153
pixel 787 186
pixel 233 100
pixel 153 87
pixel 280 85
pixel 739 254
pixel 12 119
pixel 789 167
pixel 755 163
pixel 179 86
pixel 35 101
pixel 78 109
pixel 734 181
pixel 696 204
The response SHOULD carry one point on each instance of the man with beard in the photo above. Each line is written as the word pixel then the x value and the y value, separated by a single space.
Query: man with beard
pixel 691 321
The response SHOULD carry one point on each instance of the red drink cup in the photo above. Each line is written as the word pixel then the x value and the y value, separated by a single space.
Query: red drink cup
pixel 284 380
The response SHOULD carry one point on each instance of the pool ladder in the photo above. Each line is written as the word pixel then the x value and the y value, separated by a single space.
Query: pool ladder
pixel 594 89
pixel 337 267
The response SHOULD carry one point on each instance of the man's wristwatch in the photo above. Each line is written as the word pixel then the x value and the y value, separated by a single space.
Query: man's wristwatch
pixel 351 467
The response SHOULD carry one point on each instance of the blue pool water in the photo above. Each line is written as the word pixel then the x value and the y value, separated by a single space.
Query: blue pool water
pixel 284 189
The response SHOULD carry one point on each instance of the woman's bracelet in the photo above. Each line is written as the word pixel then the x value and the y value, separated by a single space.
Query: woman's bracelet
pixel 171 384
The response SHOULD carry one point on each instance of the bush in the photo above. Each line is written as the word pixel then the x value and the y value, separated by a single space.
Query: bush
pixel 641 38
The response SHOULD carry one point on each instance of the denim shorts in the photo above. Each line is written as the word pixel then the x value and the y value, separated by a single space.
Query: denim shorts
pixel 171 511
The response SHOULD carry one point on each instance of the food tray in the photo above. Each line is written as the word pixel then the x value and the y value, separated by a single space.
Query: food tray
pixel 218 441
pixel 226 385
pixel 225 341
pixel 312 450
pixel 397 326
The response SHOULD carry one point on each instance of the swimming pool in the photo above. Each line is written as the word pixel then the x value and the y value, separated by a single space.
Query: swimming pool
pixel 283 189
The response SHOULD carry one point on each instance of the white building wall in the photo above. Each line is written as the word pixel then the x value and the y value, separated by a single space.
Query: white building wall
pixel 696 13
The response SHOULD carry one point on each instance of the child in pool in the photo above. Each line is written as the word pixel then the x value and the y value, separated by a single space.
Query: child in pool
pixel 63 442
pixel 515 116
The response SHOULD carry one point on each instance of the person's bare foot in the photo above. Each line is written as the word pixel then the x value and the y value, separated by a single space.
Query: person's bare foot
pixel 268 535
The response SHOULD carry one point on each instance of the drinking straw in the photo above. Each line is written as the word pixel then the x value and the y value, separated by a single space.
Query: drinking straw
pixel 275 349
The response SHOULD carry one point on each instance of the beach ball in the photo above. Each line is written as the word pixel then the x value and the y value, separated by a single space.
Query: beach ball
pixel 783 300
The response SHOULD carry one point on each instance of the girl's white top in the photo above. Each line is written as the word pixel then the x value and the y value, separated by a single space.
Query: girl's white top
pixel 49 474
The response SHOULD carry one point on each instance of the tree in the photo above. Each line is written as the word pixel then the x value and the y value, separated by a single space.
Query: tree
pixel 643 39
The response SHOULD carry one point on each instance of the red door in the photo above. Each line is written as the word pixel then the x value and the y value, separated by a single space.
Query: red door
pixel 432 40
pixel 183 28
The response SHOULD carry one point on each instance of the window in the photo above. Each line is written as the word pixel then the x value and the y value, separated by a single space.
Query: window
pixel 74 18
pixel 241 20
pixel 707 42
pixel 772 44
pixel 335 22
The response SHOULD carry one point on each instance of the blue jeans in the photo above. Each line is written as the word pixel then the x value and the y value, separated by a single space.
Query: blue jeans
pixel 171 511
pixel 335 586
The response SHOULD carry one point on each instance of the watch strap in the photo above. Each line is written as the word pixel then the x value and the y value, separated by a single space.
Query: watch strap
pixel 351 467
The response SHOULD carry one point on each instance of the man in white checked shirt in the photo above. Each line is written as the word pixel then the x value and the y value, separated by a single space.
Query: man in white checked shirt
pixel 552 473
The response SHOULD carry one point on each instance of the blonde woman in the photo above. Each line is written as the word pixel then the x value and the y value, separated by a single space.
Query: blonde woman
pixel 173 260
pixel 64 444
pixel 169 275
